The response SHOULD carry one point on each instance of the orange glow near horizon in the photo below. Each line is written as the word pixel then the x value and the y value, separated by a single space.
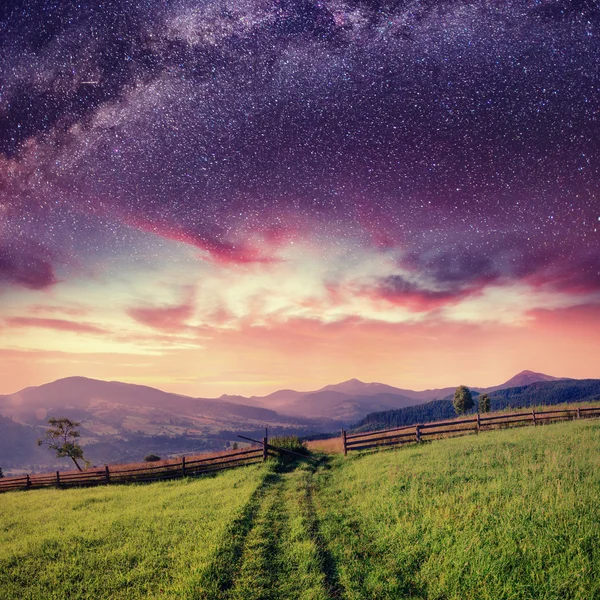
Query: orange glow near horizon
pixel 188 326
pixel 307 355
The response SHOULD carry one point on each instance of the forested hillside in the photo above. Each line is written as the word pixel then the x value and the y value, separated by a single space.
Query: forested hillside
pixel 541 393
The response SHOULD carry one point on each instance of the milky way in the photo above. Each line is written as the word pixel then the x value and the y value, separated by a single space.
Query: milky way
pixel 456 141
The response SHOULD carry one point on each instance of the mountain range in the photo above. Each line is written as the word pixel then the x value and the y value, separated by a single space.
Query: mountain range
pixel 121 421
pixel 351 400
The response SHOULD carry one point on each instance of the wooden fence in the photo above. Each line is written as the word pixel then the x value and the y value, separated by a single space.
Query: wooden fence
pixel 474 424
pixel 184 467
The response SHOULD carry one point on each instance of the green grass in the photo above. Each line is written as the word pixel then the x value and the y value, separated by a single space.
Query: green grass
pixel 510 514
pixel 506 514
pixel 134 541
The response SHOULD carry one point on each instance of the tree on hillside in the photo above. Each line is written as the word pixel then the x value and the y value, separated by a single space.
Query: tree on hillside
pixel 1 473
pixel 61 437
pixel 484 403
pixel 463 400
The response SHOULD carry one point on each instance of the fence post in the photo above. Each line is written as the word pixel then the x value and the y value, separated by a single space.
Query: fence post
pixel 265 448
pixel 344 443
pixel 183 466
pixel 106 474
pixel 478 423
pixel 417 433
pixel 57 478
pixel 578 413
pixel 28 484
pixel 533 415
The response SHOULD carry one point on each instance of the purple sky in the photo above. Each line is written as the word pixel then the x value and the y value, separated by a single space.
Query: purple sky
pixel 178 170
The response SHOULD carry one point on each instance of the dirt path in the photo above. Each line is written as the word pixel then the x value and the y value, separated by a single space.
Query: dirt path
pixel 274 550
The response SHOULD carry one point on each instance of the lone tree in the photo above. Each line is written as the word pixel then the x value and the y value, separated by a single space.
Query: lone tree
pixel 1 473
pixel 484 403
pixel 61 437
pixel 463 400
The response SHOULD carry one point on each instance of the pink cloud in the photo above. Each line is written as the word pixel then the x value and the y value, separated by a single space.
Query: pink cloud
pixel 165 318
pixel 71 311
pixel 57 324
pixel 579 276
pixel 585 317
pixel 221 252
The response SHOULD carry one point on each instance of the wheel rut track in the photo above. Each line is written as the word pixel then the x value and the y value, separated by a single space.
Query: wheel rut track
pixel 262 562
pixel 254 563
pixel 218 578
pixel 332 583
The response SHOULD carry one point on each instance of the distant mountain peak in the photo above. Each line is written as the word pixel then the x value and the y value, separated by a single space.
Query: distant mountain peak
pixel 533 374
pixel 524 378
pixel 356 386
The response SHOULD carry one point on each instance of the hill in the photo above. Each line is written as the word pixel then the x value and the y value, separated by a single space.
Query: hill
pixel 541 393
pixel 122 422
pixel 521 379
pixel 509 514
pixel 344 402
pixel 353 399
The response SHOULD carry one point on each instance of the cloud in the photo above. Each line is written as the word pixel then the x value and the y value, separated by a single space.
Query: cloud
pixel 585 317
pixel 458 270
pixel 455 266
pixel 401 292
pixel 579 274
pixel 57 324
pixel 171 318
pixel 73 311
pixel 219 250
pixel 26 264
pixel 428 280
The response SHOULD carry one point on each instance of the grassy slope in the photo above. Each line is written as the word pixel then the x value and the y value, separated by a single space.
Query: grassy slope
pixel 244 534
pixel 132 541
pixel 506 514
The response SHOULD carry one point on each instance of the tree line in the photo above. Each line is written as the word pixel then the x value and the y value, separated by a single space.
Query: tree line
pixel 543 393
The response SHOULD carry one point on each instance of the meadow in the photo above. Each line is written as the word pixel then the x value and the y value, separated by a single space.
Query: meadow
pixel 506 514
pixel 509 514
pixel 130 541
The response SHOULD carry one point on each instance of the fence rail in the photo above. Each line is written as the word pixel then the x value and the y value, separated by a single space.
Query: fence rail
pixel 415 433
pixel 184 467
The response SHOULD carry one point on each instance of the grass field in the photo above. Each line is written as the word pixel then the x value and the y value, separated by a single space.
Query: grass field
pixel 133 541
pixel 507 514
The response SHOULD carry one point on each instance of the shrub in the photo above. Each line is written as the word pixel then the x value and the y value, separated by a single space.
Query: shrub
pixel 151 458
pixel 289 442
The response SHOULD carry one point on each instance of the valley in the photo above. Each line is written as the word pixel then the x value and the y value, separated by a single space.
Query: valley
pixel 123 422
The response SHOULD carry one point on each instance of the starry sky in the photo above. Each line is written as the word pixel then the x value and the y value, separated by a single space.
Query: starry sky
pixel 240 196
